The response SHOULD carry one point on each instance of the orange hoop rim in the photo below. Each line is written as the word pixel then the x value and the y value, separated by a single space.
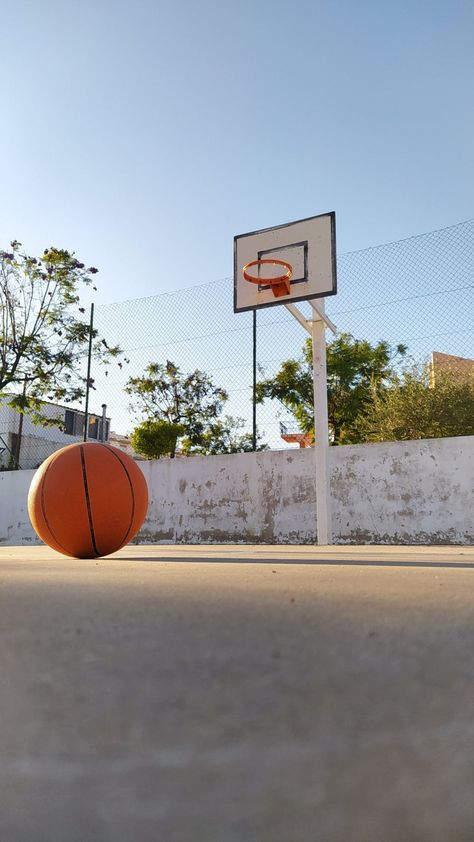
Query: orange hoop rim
pixel 268 281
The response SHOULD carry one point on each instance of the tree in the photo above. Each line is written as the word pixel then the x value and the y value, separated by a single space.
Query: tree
pixel 153 439
pixel 416 408
pixel 355 370
pixel 43 339
pixel 164 393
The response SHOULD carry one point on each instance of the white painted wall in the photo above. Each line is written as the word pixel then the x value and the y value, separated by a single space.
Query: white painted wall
pixel 417 492
pixel 15 526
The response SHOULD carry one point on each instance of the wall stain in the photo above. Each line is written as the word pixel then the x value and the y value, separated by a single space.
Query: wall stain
pixel 437 539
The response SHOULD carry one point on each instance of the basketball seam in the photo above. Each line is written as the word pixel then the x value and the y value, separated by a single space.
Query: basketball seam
pixel 131 490
pixel 43 509
pixel 88 502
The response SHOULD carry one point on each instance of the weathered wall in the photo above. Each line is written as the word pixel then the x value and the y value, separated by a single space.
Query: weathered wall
pixel 251 497
pixel 418 492
pixel 15 526
pixel 399 492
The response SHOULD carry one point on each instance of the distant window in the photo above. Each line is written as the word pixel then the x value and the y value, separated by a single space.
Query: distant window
pixel 73 423
pixel 79 424
pixel 93 429
pixel 69 420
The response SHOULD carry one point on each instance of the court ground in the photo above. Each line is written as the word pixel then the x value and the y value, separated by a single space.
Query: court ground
pixel 237 694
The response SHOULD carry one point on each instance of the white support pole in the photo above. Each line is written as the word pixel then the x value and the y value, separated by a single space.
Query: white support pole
pixel 321 448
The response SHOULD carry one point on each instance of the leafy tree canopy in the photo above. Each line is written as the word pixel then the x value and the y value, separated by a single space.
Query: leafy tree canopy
pixel 416 408
pixel 223 436
pixel 153 439
pixel 165 393
pixel 44 335
pixel 355 368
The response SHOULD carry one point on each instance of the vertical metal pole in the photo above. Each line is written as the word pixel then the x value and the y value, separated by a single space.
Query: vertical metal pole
pixel 89 360
pixel 20 433
pixel 254 386
pixel 18 442
pixel 103 424
pixel 321 427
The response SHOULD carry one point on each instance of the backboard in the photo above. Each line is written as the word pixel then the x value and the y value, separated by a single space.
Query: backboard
pixel 308 245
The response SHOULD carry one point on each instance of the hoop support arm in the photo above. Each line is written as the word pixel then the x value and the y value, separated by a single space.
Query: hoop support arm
pixel 298 315
pixel 306 323
pixel 322 315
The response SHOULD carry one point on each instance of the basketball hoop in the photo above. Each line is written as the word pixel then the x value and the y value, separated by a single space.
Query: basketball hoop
pixel 280 284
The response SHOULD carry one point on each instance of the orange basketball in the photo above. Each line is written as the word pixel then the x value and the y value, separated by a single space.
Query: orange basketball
pixel 87 500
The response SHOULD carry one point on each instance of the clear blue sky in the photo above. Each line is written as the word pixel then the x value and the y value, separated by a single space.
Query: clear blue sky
pixel 144 135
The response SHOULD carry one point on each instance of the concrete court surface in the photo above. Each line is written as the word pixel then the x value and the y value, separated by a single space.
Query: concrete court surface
pixel 237 694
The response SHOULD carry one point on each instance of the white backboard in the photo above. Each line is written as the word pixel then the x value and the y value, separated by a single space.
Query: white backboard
pixel 309 245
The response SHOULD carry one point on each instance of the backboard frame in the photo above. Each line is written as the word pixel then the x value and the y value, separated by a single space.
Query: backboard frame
pixel 284 245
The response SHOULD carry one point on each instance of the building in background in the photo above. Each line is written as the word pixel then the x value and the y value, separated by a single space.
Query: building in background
pixel 295 436
pixel 26 445
pixel 124 444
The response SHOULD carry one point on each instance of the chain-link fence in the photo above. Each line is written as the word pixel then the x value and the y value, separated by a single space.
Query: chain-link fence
pixel 418 291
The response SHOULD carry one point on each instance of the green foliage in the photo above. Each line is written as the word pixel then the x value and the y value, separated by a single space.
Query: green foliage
pixel 164 393
pixel 223 436
pixel 355 370
pixel 43 333
pixel 415 408
pixel 153 439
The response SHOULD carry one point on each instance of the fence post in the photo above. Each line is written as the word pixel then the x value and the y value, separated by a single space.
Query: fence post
pixel 89 360
pixel 20 432
pixel 254 386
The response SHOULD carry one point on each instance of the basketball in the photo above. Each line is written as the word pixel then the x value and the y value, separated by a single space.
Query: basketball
pixel 87 500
